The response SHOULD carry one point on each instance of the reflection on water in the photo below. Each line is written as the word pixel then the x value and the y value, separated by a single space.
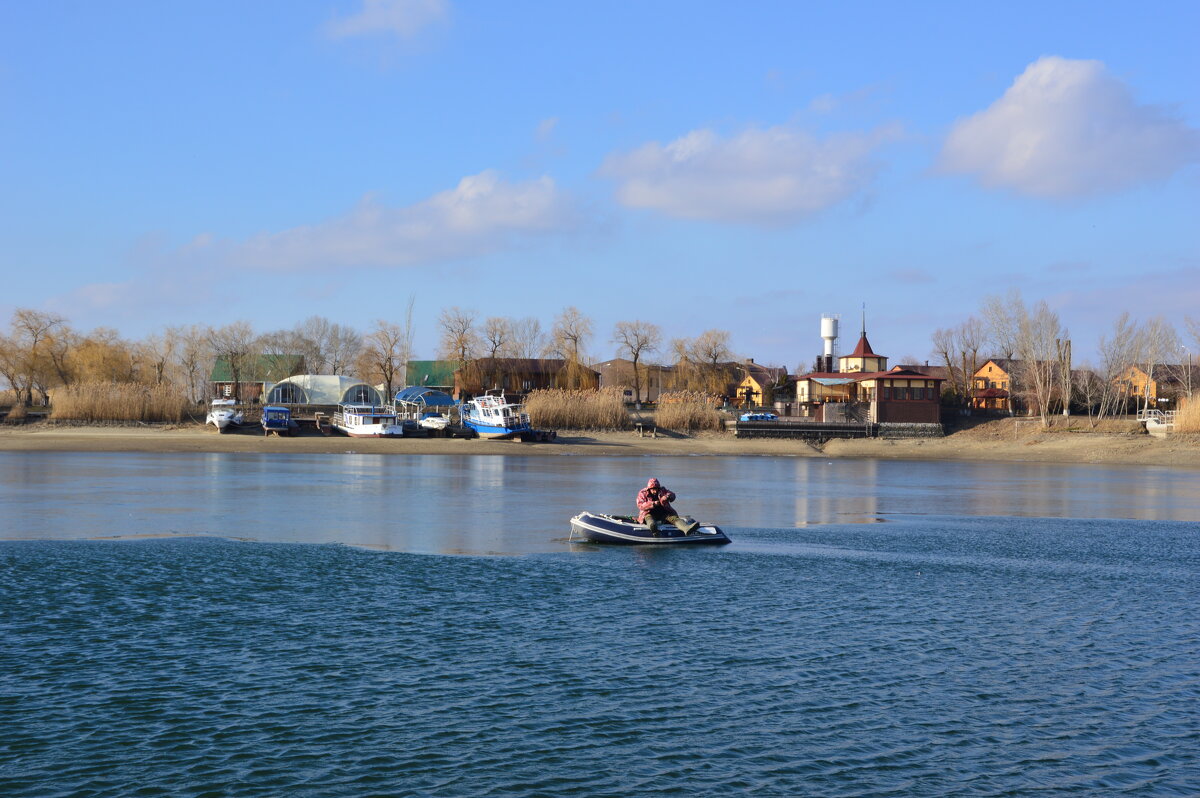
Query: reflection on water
pixel 498 504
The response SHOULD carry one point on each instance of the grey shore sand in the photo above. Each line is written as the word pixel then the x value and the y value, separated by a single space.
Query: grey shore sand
pixel 996 441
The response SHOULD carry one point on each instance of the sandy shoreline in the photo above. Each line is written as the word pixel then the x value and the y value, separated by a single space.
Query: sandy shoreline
pixel 999 443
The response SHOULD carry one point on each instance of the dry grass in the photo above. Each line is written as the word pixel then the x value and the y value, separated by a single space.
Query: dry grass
pixel 16 413
pixel 1187 419
pixel 688 411
pixel 119 401
pixel 557 408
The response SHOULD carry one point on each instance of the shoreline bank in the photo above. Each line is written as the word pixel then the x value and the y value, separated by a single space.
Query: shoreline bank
pixel 1036 446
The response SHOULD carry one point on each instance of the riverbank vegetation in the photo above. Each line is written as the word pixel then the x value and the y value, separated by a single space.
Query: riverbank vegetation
pixel 688 411
pixel 116 401
pixel 557 408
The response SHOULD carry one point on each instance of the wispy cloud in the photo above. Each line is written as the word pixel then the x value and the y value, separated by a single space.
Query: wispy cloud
pixel 401 18
pixel 483 214
pixel 546 128
pixel 1068 128
pixel 773 176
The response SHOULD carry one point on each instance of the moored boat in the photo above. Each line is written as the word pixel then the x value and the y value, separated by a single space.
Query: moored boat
pixel 278 420
pixel 223 414
pixel 493 416
pixel 367 421
pixel 625 530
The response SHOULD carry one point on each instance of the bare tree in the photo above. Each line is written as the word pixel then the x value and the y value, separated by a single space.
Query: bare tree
pixel 459 338
pixel 497 343
pixel 1089 388
pixel 635 339
pixel 33 335
pixel 569 338
pixel 328 348
pixel 1118 354
pixel 528 340
pixel 703 363
pixel 1038 336
pixel 959 348
pixel 193 353
pixel 1158 346
pixel 570 334
pixel 1002 317
pixel 383 356
pixel 237 345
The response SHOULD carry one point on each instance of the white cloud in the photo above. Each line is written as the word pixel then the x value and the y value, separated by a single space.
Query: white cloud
pixel 772 176
pixel 404 18
pixel 483 214
pixel 1068 128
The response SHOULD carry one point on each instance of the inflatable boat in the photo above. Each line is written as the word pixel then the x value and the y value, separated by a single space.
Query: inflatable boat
pixel 625 530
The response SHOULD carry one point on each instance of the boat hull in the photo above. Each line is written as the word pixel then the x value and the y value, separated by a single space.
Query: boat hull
pixel 621 531
pixel 350 434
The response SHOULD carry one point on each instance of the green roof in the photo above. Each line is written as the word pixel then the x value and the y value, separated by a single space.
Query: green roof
pixel 432 373
pixel 265 368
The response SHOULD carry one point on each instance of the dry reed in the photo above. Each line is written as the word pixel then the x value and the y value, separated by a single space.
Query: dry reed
pixel 119 401
pixel 16 411
pixel 558 408
pixel 1187 419
pixel 688 411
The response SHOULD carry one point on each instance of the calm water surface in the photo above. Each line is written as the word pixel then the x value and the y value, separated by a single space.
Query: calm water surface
pixel 876 628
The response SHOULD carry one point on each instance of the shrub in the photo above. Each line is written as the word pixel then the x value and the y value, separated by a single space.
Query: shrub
pixel 119 401
pixel 558 408
pixel 688 411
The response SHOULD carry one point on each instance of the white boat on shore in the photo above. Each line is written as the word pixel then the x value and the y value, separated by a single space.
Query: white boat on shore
pixel 223 414
pixel 367 421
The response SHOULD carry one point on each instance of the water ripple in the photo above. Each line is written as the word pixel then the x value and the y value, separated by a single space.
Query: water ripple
pixel 911 658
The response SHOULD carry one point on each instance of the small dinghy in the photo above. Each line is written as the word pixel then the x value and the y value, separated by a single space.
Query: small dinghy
pixel 625 530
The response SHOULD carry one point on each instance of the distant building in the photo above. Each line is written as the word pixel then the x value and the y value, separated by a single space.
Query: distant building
pixel 992 385
pixel 432 374
pixel 518 376
pixel 863 389
pixel 759 386
pixel 514 376
pixel 618 373
pixel 257 376
pixel 1167 386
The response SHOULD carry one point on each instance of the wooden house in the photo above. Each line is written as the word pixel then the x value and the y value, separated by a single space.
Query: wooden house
pixel 257 375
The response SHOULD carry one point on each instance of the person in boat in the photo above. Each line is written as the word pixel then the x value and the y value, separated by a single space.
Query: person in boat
pixel 654 506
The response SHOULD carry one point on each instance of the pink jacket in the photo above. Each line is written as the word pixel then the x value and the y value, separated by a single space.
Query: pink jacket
pixel 649 498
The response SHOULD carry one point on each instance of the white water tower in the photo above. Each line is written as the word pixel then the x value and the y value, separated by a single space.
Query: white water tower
pixel 829 332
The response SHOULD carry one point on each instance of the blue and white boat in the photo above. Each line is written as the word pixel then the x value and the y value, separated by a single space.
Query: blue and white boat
pixel 278 420
pixel 493 416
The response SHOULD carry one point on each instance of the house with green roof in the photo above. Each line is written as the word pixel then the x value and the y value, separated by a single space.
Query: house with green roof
pixel 432 374
pixel 257 376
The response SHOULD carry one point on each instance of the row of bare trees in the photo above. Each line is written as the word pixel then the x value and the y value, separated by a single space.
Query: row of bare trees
pixel 1037 348
pixel 702 363
pixel 41 351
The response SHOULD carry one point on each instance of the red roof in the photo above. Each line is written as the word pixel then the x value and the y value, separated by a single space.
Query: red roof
pixel 863 349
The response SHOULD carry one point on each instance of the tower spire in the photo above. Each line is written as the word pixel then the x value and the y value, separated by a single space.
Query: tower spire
pixel 864 320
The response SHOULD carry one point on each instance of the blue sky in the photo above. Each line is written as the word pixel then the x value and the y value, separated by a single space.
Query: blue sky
pixel 740 166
